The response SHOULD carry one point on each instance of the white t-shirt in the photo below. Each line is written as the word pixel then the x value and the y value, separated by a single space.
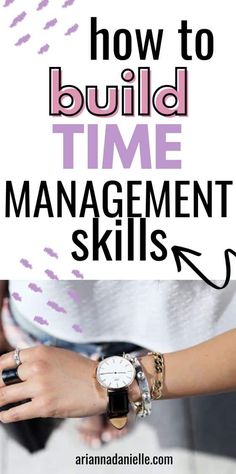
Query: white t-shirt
pixel 161 315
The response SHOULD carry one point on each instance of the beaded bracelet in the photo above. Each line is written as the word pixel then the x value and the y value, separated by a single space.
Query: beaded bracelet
pixel 142 408
pixel 157 383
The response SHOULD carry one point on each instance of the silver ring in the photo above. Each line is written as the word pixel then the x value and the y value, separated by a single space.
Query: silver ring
pixel 16 357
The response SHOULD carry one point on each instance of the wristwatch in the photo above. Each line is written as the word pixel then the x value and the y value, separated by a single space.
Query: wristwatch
pixel 116 374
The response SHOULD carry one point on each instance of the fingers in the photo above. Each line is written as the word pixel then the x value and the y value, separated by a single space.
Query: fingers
pixel 32 386
pixel 25 371
pixel 26 355
pixel 7 360
pixel 2 384
pixel 26 411
pixel 14 393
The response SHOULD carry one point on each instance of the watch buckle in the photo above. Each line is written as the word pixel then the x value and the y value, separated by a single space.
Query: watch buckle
pixel 119 423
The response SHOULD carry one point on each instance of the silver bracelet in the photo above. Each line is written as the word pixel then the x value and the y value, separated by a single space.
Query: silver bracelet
pixel 143 407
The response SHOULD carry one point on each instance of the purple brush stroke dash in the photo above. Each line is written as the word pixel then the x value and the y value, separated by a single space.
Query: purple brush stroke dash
pixel 23 40
pixel 18 19
pixel 42 4
pixel 50 252
pixel 16 296
pixel 74 296
pixel 26 263
pixel 77 328
pixel 55 306
pixel 51 275
pixel 35 288
pixel 68 3
pixel 77 274
pixel 72 29
pixel 41 320
pixel 8 2
pixel 50 24
pixel 44 49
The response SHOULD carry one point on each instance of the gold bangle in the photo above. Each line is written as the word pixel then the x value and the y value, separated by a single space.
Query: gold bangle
pixel 158 381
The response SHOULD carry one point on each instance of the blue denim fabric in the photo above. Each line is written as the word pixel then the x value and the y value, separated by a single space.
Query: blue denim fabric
pixel 101 349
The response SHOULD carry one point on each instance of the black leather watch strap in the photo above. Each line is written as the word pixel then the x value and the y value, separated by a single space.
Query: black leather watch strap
pixel 118 404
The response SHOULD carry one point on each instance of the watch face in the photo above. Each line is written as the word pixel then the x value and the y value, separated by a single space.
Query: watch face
pixel 115 372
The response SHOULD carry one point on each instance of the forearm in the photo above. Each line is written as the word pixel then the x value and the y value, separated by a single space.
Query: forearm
pixel 206 368
pixel 3 290
pixel 63 384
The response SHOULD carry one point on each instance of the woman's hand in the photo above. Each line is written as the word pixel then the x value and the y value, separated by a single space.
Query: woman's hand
pixel 60 384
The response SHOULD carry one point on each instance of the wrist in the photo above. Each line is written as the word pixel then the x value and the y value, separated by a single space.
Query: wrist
pixel 101 398
pixel 134 390
pixel 134 394
pixel 149 371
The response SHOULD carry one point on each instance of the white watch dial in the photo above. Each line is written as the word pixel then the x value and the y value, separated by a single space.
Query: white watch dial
pixel 115 372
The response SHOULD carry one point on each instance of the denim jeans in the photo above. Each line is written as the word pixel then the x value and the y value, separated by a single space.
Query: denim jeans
pixel 98 349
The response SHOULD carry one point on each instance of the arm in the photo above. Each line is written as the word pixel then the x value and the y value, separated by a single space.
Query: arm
pixel 63 384
pixel 206 368
pixel 3 291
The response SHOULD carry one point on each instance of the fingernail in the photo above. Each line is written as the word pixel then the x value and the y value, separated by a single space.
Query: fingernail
pixel 96 443
pixel 106 436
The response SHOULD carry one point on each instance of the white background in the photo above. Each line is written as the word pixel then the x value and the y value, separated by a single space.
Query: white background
pixel 29 149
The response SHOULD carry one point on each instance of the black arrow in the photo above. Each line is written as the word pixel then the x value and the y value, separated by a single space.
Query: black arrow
pixel 179 253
